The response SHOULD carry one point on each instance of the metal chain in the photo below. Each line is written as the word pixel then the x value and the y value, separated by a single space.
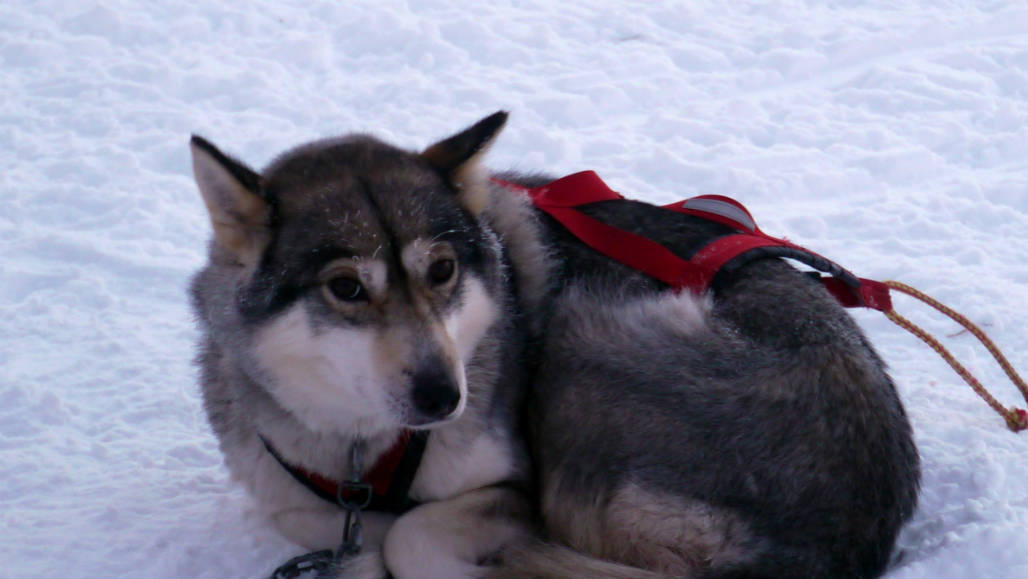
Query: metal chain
pixel 353 496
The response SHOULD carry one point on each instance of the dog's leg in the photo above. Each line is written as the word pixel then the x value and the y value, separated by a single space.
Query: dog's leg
pixel 457 538
pixel 628 533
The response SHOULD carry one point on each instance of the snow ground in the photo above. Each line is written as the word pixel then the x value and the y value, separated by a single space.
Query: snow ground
pixel 889 136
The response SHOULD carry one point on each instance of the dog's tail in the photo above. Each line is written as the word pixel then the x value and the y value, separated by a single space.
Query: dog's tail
pixel 550 561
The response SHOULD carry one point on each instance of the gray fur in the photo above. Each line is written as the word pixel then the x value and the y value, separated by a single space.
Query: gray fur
pixel 751 432
pixel 760 409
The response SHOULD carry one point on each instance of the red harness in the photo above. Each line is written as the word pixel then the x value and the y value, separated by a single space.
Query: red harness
pixel 562 198
pixel 383 488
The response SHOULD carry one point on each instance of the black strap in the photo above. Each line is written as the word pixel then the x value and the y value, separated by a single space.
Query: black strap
pixel 799 254
pixel 299 476
pixel 395 501
pixel 398 500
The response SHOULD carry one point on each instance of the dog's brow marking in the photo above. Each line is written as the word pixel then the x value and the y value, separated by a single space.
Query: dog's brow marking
pixel 434 242
pixel 379 216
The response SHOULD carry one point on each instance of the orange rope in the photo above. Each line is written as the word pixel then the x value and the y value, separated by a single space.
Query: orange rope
pixel 1016 418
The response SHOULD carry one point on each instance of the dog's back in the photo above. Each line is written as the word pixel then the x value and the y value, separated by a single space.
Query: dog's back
pixel 754 433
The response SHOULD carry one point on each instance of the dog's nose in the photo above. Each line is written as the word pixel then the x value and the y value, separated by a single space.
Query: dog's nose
pixel 436 394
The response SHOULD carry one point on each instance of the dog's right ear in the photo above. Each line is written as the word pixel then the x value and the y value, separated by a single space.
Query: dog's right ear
pixel 231 191
pixel 459 159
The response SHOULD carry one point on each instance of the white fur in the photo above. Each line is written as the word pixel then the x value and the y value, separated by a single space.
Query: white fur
pixel 449 538
pixel 374 273
pixel 468 324
pixel 417 547
pixel 512 215
pixel 453 464
pixel 684 311
pixel 327 378
pixel 597 316
pixel 416 256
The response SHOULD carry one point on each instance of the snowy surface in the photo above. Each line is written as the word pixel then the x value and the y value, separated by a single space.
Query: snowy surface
pixel 891 136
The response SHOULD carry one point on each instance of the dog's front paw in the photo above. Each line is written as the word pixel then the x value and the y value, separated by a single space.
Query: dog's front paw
pixel 459 538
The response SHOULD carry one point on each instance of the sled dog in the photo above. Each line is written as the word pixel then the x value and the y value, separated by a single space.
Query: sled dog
pixel 357 291
pixel 352 299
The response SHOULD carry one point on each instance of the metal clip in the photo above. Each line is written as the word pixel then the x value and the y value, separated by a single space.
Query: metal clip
pixel 354 495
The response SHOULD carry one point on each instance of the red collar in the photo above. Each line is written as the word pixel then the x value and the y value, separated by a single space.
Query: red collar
pixel 388 480
pixel 562 198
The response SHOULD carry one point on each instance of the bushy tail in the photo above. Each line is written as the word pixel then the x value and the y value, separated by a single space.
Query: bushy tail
pixel 549 561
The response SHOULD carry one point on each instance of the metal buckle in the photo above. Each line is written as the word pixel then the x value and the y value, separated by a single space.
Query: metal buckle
pixel 354 495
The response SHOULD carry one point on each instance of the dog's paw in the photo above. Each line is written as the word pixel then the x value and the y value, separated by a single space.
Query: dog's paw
pixel 459 538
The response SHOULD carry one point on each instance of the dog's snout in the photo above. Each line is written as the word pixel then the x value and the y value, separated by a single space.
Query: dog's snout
pixel 435 393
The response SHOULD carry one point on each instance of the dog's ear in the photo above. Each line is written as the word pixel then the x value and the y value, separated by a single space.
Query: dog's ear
pixel 231 191
pixel 459 159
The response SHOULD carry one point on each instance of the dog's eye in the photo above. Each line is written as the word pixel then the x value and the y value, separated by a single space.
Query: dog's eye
pixel 441 271
pixel 347 289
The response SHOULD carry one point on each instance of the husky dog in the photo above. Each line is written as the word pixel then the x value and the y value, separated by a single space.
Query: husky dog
pixel 749 432
pixel 353 294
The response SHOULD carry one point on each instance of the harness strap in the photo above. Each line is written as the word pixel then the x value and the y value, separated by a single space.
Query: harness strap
pixel 1017 418
pixel 640 253
pixel 389 479
pixel 561 199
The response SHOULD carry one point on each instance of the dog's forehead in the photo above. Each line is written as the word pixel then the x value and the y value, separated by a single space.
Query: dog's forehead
pixel 358 191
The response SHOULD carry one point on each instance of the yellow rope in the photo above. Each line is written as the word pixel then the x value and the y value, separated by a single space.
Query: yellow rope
pixel 1016 418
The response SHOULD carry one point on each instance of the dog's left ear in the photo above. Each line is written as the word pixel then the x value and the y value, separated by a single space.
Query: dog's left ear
pixel 459 159
pixel 232 193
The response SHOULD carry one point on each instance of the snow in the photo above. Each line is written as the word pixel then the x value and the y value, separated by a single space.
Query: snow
pixel 888 136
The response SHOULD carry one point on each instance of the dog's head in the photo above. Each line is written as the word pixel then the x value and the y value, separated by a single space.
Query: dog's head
pixel 360 279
